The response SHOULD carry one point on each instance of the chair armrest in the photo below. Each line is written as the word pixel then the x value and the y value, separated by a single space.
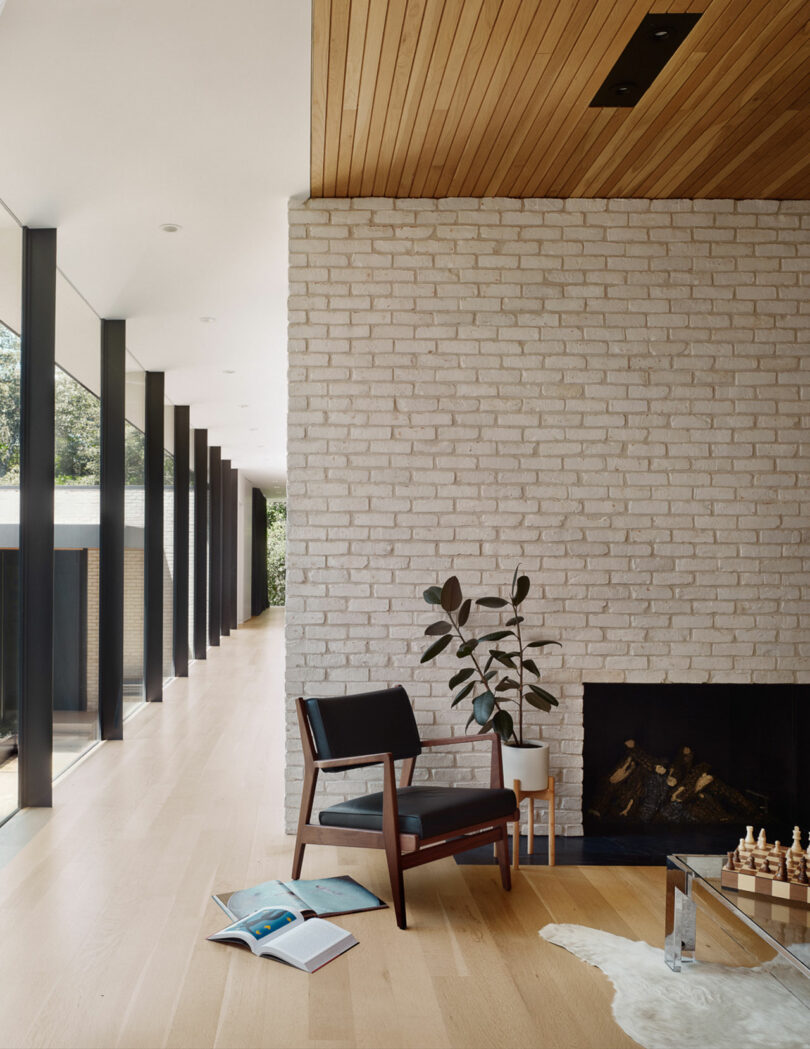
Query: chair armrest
pixel 496 765
pixel 353 760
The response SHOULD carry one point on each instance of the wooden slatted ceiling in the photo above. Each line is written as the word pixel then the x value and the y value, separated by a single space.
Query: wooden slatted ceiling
pixel 470 98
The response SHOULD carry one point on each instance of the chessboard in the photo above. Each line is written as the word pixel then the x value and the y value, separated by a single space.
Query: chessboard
pixel 762 868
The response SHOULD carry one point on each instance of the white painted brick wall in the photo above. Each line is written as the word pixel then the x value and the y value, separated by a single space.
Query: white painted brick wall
pixel 614 393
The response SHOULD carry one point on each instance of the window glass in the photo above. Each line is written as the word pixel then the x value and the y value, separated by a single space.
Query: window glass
pixel 134 515
pixel 77 464
pixel 10 298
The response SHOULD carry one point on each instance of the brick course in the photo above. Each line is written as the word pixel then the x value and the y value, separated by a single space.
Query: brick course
pixel 611 393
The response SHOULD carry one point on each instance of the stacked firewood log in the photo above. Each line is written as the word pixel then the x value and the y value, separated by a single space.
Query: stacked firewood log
pixel 646 789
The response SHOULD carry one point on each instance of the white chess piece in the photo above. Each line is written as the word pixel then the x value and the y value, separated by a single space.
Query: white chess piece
pixel 762 841
pixel 749 836
pixel 796 848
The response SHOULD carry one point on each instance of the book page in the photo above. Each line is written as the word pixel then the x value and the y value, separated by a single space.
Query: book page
pixel 311 944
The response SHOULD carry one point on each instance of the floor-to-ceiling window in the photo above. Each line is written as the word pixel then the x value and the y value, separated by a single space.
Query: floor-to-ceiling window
pixel 77 465
pixel 134 514
pixel 10 298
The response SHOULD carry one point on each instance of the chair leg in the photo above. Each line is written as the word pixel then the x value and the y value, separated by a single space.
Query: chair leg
pixel 298 859
pixel 397 886
pixel 503 857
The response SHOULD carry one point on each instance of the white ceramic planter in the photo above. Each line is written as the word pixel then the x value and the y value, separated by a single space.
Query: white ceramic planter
pixel 528 763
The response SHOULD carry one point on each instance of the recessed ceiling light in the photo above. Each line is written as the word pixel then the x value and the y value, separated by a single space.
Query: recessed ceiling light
pixel 171 227
pixel 244 406
pixel 208 320
pixel 229 371
pixel 663 32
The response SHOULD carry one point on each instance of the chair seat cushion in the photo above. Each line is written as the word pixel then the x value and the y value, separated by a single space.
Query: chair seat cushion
pixel 426 811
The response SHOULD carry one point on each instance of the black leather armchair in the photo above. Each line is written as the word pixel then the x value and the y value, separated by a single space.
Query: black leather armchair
pixel 414 825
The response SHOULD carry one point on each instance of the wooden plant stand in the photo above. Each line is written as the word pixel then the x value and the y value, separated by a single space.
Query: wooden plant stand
pixel 540 795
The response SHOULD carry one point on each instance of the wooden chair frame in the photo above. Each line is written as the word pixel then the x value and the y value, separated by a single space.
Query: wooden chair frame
pixel 402 851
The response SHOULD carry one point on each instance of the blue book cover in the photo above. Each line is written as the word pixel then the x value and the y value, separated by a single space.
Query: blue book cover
pixel 319 896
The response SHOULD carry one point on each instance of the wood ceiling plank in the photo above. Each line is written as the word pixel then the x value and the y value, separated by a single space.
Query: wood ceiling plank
pixel 781 160
pixel 503 48
pixel 555 44
pixel 422 60
pixel 445 36
pixel 358 23
pixel 403 70
pixel 338 43
pixel 375 27
pixel 472 12
pixel 491 151
pixel 499 113
pixel 492 24
pixel 660 106
pixel 620 23
pixel 386 69
pixel 320 76
pixel 597 127
pixel 748 128
pixel 700 132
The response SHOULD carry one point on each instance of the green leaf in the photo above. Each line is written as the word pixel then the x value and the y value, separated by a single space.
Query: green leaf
pixel 483 706
pixel 488 664
pixel 491 602
pixel 503 725
pixel 540 644
pixel 436 648
pixel 535 701
pixel 467 648
pixel 485 728
pixel 433 595
pixel 507 685
pixel 470 720
pixel 531 666
pixel 547 696
pixel 489 674
pixel 515 621
pixel 498 635
pixel 462 675
pixel 451 594
pixel 464 612
pixel 514 577
pixel 440 627
pixel 521 590
pixel 504 658
pixel 463 693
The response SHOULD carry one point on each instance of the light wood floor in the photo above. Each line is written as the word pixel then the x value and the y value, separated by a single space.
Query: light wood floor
pixel 104 905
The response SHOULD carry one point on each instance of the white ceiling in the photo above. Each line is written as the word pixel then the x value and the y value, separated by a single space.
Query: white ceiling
pixel 117 116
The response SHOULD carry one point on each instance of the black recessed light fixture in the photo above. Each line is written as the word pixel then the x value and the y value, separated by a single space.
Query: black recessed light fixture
pixel 647 52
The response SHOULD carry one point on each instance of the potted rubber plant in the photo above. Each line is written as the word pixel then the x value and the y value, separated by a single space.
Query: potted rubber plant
pixel 500 674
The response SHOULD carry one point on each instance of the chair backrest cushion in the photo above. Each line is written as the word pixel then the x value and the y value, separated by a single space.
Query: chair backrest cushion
pixel 366 723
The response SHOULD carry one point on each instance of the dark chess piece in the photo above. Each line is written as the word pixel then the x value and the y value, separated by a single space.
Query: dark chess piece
pixel 729 864
pixel 749 863
pixel 737 859
pixel 781 870
pixel 766 867
pixel 802 878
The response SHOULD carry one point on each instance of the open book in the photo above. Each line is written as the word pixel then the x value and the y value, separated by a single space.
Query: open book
pixel 321 896
pixel 283 934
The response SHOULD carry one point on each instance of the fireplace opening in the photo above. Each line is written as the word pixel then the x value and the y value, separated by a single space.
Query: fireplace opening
pixel 694 764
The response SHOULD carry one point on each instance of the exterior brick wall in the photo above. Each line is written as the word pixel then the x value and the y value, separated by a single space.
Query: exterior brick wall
pixel 612 393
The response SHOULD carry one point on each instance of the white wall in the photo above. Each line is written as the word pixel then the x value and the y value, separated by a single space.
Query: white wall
pixel 612 393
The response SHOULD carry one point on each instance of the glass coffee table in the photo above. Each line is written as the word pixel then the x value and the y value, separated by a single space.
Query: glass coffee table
pixel 785 926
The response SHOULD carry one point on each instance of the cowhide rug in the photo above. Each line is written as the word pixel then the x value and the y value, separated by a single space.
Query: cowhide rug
pixel 706 1006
